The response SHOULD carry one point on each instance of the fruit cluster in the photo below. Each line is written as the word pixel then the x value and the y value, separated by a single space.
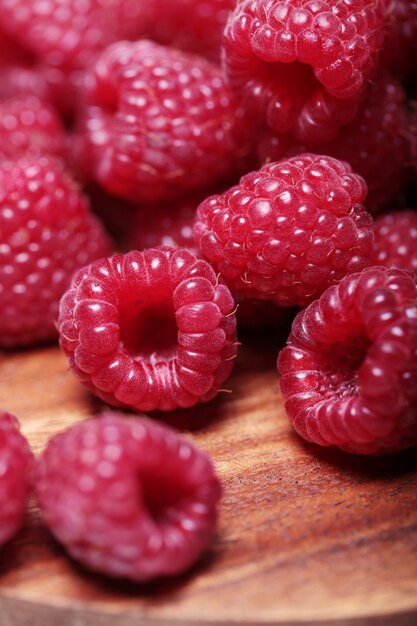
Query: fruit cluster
pixel 244 158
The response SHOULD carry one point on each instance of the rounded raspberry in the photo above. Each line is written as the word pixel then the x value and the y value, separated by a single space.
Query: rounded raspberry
pixel 192 25
pixel 159 123
pixel 16 465
pixel 349 372
pixel 30 126
pixel 399 53
pixel 302 65
pixel 149 330
pixel 287 231
pixel 375 143
pixel 396 240
pixel 46 233
pixel 128 497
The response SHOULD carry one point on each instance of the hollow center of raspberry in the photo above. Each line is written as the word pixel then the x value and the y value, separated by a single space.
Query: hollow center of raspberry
pixel 164 496
pixel 281 90
pixel 342 364
pixel 149 331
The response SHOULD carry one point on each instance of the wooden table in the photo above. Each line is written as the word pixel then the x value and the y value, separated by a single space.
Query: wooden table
pixel 306 536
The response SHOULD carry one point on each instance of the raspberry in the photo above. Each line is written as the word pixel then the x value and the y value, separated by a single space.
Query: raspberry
pixel 29 125
pixel 400 47
pixel 128 497
pixel 46 232
pixel 149 330
pixel 349 372
pixel 302 65
pixel 287 231
pixel 16 464
pixel 374 144
pixel 396 240
pixel 160 123
pixel 192 25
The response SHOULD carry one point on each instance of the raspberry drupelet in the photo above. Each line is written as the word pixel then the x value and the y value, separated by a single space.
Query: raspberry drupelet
pixel 46 233
pixel 287 231
pixel 160 123
pixel 303 65
pixel 29 126
pixel 149 330
pixel 128 497
pixel 349 372
pixel 395 242
pixel 16 463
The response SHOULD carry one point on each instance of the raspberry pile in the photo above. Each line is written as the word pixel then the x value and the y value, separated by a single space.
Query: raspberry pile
pixel 173 174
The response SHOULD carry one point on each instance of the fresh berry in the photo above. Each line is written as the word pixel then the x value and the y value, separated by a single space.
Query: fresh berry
pixel 29 126
pixel 287 231
pixel 349 372
pixel 16 465
pixel 46 233
pixel 375 143
pixel 149 330
pixel 159 123
pixel 65 35
pixel 192 25
pixel 303 65
pixel 396 240
pixel 399 53
pixel 128 497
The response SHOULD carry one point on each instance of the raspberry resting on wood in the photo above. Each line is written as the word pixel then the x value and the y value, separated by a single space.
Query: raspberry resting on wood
pixel 149 330
pixel 128 497
pixel 287 231
pixel 349 372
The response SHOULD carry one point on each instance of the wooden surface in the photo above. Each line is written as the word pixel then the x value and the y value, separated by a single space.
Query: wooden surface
pixel 306 535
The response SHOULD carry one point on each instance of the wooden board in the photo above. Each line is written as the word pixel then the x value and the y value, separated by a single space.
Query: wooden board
pixel 306 536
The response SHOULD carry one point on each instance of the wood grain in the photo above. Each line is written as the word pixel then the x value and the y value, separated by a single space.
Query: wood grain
pixel 306 535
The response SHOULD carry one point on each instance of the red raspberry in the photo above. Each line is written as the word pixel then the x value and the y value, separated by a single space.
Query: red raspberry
pixel 287 231
pixel 396 240
pixel 29 125
pixel 16 464
pixel 375 143
pixel 399 53
pixel 46 232
pixel 193 25
pixel 302 64
pixel 349 372
pixel 128 497
pixel 160 122
pixel 149 330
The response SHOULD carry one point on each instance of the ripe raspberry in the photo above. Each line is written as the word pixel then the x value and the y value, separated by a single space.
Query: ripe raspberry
pixel 160 123
pixel 349 372
pixel 46 232
pixel 302 65
pixel 128 497
pixel 396 240
pixel 399 53
pixel 16 464
pixel 287 231
pixel 375 143
pixel 30 126
pixel 149 330
pixel 192 25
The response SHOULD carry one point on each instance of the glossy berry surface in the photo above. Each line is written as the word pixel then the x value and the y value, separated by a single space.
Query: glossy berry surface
pixel 396 240
pixel 159 122
pixel 349 371
pixel 149 330
pixel 287 231
pixel 400 47
pixel 47 232
pixel 16 463
pixel 128 497
pixel 303 65
pixel 29 126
